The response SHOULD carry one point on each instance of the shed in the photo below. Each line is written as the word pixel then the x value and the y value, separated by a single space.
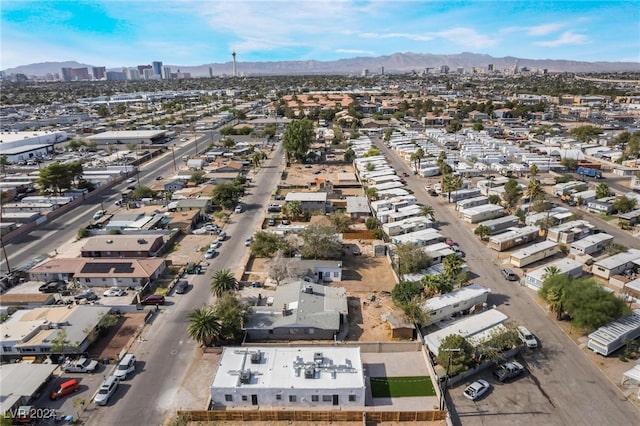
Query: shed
pixel 401 327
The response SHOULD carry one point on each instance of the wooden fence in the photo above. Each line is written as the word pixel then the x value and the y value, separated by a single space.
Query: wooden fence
pixel 311 416
pixel 364 234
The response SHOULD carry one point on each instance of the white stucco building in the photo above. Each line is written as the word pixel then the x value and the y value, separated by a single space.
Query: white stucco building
pixel 301 377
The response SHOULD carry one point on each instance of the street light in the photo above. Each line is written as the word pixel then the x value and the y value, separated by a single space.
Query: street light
pixel 173 154
pixel 443 390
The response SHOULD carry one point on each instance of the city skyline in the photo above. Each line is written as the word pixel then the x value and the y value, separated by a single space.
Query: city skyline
pixel 191 33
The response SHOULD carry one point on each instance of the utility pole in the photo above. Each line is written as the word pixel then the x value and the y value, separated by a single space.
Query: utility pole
pixel 173 154
pixel 443 390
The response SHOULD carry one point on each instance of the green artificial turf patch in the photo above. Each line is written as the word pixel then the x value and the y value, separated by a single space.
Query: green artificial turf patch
pixel 395 387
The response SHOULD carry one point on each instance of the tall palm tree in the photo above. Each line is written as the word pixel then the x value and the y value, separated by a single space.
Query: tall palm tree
pixel 452 266
pixel 414 159
pixel 534 190
pixel 429 212
pixel 223 281
pixel 294 209
pixel 533 171
pixel 555 299
pixel 204 325
pixel 451 183
pixel 550 271
pixel 419 156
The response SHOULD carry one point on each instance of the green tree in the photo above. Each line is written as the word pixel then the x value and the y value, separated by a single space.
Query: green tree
pixel 296 139
pixel 204 325
pixel 452 267
pixel 227 194
pixel 371 223
pixel 349 155
pixel 482 231
pixel 512 192
pixel 429 212
pixel 454 127
pixel 495 199
pixel 231 314
pixel 82 233
pixel 143 192
pixel 257 158
pixel 455 354
pixel 103 111
pixel 197 177
pixel 56 177
pixel 419 156
pixel 320 242
pixel 223 282
pixel 404 292
pixel 340 221
pixel 387 134
pixel 371 193
pixel 550 271
pixel 293 209
pixel 451 183
pixel 585 133
pixel 266 244
pixel 414 311
pixel 534 190
pixel 602 190
pixel 411 258
pixel 437 284
pixel 533 171
pixel 624 204
pixel 280 267
pixel 478 126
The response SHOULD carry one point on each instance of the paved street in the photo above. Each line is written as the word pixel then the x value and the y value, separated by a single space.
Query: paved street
pixel 166 352
pixel 570 390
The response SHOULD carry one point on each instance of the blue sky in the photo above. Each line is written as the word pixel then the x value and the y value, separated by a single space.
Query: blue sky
pixel 118 33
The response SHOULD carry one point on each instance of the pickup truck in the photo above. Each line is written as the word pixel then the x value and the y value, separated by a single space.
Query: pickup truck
pixel 508 371
pixel 82 365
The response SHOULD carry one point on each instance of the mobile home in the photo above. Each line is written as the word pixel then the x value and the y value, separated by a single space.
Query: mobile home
pixel 472 202
pixel 570 231
pixel 591 244
pixel 463 194
pixel 615 335
pixel 513 237
pixel 533 253
pixel 616 264
pixel 480 213
pixel 445 305
pixel 421 238
pixel 568 267
pixel 500 224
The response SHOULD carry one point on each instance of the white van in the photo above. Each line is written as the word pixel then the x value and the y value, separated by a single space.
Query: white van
pixel 126 366
pixel 527 338
pixel 106 389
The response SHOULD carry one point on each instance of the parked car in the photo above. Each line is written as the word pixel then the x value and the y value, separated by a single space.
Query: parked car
pixel 526 337
pixel 476 389
pixel 131 180
pixel 272 222
pixel 238 209
pixel 182 286
pixel 214 245
pixel 221 236
pixel 285 222
pixel 274 208
pixel 87 295
pixel 248 241
pixel 131 187
pixel 126 366
pixel 106 389
pixel 153 299
pixel 65 388
pixel 210 253
pixel 97 215
pixel 448 241
pixel 52 287
pixel 82 365
pixel 114 292
pixel 508 371
pixel 158 177
pixel 405 174
pixel 509 274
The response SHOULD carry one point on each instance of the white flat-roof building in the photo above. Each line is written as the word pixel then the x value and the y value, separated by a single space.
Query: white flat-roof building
pixel 25 146
pixel 404 226
pixel 568 232
pixel 303 377
pixel 569 267
pixel 469 328
pixel 616 264
pixel 533 253
pixel 614 335
pixel 423 237
pixel 124 137
pixel 445 305
pixel 591 244
pixel 21 383
pixel 480 213
pixel 513 237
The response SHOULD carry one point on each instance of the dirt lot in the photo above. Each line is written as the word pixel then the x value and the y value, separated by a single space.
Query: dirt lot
pixel 119 336
pixel 368 281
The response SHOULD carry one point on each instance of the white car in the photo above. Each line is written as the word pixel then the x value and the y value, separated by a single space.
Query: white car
pixel 131 180
pixel 248 241
pixel 214 245
pixel 106 389
pixel 476 389
pixel 114 292
pixel 238 209
pixel 210 253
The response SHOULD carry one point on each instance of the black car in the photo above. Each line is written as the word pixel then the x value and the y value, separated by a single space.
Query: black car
pixel 182 286
pixel 87 294
pixel 52 287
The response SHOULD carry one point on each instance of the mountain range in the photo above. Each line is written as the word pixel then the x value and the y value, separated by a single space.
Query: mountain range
pixel 393 64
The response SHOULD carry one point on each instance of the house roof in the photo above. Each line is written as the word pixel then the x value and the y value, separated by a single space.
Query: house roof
pixel 306 196
pixel 194 202
pixel 467 328
pixel 614 330
pixel 465 293
pixel 95 268
pixel 121 242
pixel 284 367
pixel 357 205
pixel 21 380
pixel 616 260
pixel 307 305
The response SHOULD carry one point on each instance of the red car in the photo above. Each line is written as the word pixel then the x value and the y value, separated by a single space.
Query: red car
pixel 153 299
pixel 405 174
pixel 66 388
pixel 449 242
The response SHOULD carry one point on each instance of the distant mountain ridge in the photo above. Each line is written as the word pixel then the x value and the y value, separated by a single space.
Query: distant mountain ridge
pixel 393 64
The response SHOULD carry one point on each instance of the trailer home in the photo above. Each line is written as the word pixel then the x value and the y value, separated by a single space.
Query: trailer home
pixel 463 194
pixel 591 244
pixel 481 213
pixel 446 305
pixel 611 337
pixel 421 238
pixel 568 267
pixel 561 189
pixel 472 202
pixel 533 253
pixel 500 224
pixel 513 237
pixel 616 264
pixel 404 226
pixel 568 232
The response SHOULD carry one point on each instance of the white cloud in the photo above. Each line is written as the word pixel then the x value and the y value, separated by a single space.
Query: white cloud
pixel 466 37
pixel 536 30
pixel 567 38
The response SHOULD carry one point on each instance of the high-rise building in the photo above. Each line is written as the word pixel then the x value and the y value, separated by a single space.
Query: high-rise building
pixel 133 74
pixel 444 69
pixel 141 68
pixel 148 73
pixel 98 73
pixel 210 72
pixel 382 70
pixel 157 67
pixel 66 74
pixel 116 76
pixel 166 72
pixel 234 70
pixel 490 68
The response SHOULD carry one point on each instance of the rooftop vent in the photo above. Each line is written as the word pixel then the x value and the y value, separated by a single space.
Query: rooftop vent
pixel 308 289
pixel 109 241
pixel 309 373
pixel 142 241
pixel 245 377
pixel 255 357
pixel 318 357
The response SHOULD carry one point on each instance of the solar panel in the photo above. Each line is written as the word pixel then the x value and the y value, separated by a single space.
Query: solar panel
pixel 96 268
pixel 123 268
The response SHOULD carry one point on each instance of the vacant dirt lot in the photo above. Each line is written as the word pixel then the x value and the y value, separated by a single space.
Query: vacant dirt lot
pixel 120 334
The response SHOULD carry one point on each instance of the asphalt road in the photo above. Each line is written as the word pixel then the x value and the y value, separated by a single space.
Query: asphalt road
pixel 166 352
pixel 571 390
pixel 45 239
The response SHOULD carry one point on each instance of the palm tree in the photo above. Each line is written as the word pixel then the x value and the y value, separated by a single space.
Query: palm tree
pixel 293 209
pixel 204 326
pixel 534 190
pixel 533 171
pixel 419 156
pixel 223 281
pixel 429 212
pixel 602 190
pixel 452 266
pixel 554 297
pixel 550 271
pixel 371 193
pixel 431 285
pixel 482 231
pixel 451 183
